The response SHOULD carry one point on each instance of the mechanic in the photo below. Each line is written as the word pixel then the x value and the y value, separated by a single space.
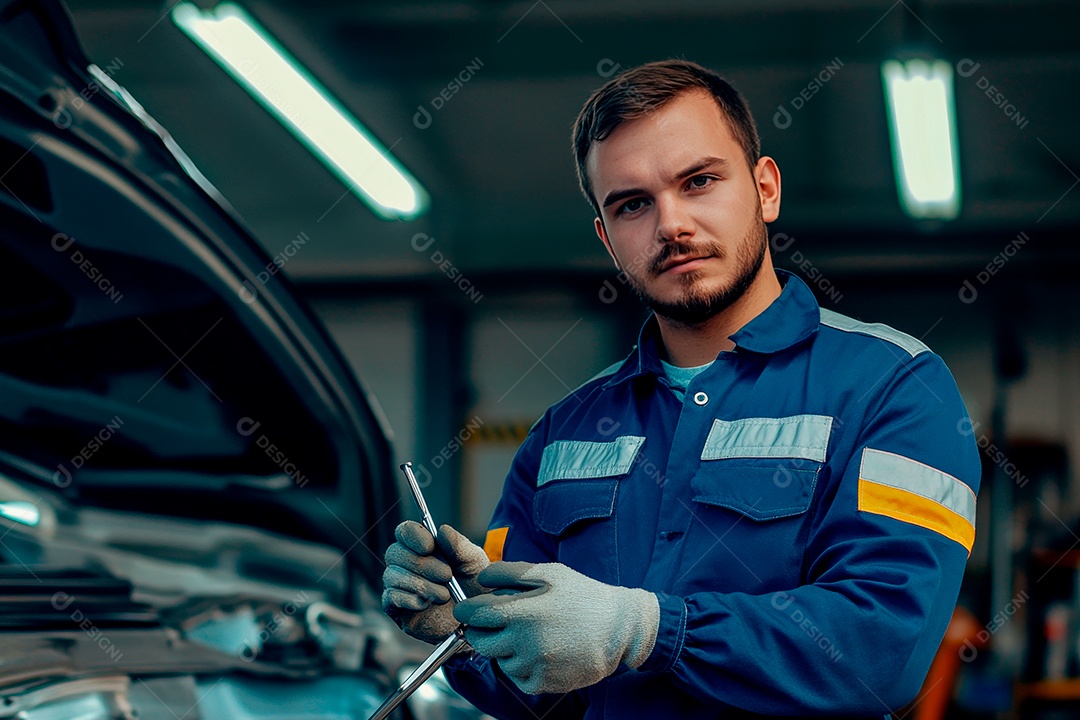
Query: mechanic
pixel 765 509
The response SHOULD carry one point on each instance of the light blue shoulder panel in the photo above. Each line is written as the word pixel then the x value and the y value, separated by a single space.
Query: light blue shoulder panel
pixel 904 341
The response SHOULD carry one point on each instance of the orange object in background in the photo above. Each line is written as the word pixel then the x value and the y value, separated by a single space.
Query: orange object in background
pixel 937 689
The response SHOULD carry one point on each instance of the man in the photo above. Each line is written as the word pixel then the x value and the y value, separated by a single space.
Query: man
pixel 765 509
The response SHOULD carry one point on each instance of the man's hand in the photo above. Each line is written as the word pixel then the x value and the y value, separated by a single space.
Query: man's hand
pixel 561 630
pixel 414 582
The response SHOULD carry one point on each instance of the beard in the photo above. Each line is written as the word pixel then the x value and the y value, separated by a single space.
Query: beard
pixel 697 305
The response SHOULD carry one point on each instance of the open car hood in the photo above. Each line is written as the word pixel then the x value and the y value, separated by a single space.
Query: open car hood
pixel 149 359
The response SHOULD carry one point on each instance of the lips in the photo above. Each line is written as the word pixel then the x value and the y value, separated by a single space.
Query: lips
pixel 680 260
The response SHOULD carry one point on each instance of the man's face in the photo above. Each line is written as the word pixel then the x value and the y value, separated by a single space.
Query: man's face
pixel 682 213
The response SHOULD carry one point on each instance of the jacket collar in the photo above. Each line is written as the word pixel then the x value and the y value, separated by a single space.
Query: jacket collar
pixel 790 319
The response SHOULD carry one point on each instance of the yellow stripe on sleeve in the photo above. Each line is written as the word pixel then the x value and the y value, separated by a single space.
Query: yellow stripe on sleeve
pixel 915 509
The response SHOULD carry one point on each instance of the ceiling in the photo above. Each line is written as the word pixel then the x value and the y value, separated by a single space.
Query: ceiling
pixel 496 155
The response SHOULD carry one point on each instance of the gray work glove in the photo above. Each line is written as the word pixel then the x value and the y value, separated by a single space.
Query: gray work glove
pixel 414 582
pixel 561 630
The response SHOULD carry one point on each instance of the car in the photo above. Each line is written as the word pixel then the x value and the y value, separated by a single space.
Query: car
pixel 195 490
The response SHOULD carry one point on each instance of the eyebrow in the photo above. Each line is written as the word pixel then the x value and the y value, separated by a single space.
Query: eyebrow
pixel 705 163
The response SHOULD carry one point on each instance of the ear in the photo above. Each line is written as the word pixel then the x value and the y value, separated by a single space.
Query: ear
pixel 767 176
pixel 601 232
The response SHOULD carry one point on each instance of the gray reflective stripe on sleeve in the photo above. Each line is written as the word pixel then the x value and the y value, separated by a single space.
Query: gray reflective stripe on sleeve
pixel 580 459
pixel 904 341
pixel 798 436
pixel 897 471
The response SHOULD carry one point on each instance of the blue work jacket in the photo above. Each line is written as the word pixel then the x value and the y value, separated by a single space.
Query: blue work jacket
pixel 803 513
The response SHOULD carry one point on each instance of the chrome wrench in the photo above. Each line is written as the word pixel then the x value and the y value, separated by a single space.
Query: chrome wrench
pixel 447 647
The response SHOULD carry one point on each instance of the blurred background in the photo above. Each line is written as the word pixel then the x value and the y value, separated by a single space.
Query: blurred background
pixel 466 318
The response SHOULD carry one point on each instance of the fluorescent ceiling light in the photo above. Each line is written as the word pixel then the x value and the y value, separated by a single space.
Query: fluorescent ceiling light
pixel 922 125
pixel 298 101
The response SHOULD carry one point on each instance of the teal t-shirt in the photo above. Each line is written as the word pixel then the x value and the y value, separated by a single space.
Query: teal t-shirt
pixel 680 377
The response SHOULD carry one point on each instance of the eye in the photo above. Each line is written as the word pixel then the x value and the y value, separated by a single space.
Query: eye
pixel 630 206
pixel 700 182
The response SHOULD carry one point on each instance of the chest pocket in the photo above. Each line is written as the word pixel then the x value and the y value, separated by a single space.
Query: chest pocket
pixel 754 484
pixel 578 480
pixel 763 468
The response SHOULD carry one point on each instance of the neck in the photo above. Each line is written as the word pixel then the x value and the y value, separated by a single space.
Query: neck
pixel 694 345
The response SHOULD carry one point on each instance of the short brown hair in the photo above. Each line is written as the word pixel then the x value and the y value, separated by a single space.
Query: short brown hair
pixel 635 93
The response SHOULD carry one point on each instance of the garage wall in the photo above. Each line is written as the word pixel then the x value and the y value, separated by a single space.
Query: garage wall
pixel 379 341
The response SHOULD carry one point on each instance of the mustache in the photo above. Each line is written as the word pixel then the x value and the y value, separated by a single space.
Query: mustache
pixel 674 249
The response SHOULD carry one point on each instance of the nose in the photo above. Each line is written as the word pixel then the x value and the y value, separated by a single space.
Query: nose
pixel 673 219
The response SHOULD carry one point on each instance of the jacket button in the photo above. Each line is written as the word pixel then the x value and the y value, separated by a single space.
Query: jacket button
pixel 701 398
